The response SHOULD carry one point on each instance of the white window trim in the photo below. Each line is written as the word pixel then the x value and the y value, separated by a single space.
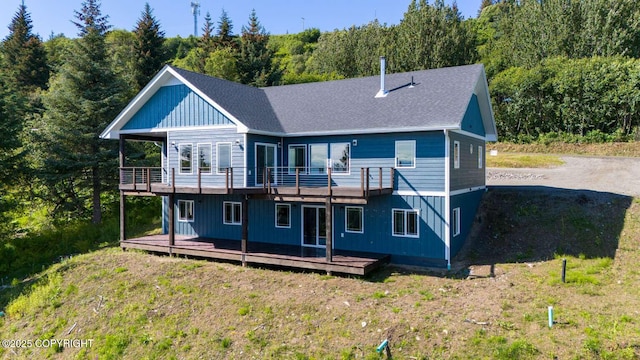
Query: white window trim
pixel 276 216
pixel 480 157
pixel 180 146
pixel 224 213
pixel 210 158
pixel 182 218
pixel 330 160
pixel 405 211
pixel 455 217
pixel 414 154
pixel 304 170
pixel 346 223
pixel 456 155
pixel 218 172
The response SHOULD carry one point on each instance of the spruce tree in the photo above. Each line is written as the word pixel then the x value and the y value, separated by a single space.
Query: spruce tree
pixel 207 41
pixel 255 63
pixel 224 37
pixel 83 99
pixel 149 51
pixel 25 58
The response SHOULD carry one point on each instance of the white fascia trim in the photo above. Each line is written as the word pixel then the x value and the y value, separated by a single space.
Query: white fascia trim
pixel 486 110
pixel 353 131
pixel 419 193
pixel 465 191
pixel 447 199
pixel 470 134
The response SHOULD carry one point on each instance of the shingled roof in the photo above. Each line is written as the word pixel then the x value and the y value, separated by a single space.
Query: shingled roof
pixel 438 99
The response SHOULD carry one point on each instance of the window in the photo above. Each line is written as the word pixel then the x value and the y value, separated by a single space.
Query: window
pixel 340 155
pixel 223 157
pixel 297 159
pixel 480 155
pixel 204 158
pixel 283 215
pixel 456 154
pixel 185 210
pixel 318 158
pixel 232 213
pixel 186 153
pixel 406 154
pixel 354 219
pixel 455 222
pixel 405 223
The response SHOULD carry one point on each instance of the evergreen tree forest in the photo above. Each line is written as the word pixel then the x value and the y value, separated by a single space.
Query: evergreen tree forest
pixel 556 68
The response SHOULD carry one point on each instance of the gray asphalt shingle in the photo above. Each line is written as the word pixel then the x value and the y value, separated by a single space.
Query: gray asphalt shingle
pixel 438 100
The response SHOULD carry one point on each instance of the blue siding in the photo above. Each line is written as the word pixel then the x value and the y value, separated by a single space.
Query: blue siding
pixel 468 175
pixel 208 221
pixel 211 137
pixel 472 121
pixel 176 106
pixel 468 204
pixel 378 229
pixel 378 150
pixel 262 223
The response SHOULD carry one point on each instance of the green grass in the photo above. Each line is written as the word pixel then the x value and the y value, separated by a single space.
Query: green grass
pixel 510 160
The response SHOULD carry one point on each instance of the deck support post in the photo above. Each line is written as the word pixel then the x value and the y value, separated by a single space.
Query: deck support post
pixel 172 230
pixel 329 220
pixel 121 159
pixel 123 224
pixel 245 228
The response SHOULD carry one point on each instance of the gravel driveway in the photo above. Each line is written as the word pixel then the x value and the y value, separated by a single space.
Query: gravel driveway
pixel 606 174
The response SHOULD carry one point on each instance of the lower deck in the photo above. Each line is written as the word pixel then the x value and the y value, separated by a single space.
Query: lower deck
pixel 299 257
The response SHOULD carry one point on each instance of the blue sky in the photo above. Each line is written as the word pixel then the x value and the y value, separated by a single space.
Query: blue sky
pixel 277 16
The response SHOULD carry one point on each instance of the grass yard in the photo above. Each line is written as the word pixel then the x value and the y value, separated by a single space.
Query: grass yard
pixel 511 160
pixel 493 306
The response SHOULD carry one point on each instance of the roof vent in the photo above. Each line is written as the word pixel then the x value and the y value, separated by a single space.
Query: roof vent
pixel 383 64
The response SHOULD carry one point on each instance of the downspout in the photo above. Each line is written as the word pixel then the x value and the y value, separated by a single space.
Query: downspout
pixel 447 199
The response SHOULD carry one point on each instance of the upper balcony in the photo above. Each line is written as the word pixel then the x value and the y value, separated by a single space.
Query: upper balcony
pixel 278 183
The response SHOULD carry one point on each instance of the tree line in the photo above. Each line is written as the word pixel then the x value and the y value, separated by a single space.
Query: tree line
pixel 554 67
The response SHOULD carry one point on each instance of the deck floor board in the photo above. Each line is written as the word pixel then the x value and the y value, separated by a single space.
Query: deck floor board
pixel 261 253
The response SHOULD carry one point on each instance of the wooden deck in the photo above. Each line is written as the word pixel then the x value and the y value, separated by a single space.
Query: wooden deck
pixel 261 253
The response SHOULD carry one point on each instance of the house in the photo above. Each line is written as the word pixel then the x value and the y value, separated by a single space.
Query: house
pixel 389 166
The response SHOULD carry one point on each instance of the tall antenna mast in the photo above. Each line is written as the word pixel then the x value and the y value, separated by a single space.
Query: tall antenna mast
pixel 195 10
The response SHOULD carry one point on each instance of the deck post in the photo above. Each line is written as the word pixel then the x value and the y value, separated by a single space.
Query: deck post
pixel 329 216
pixel 199 180
pixel 362 182
pixel 367 185
pixel 121 160
pixel 393 177
pixel 245 228
pixel 226 179
pixel 173 180
pixel 172 230
pixel 297 181
pixel 380 179
pixel 329 190
pixel 123 208
pixel 231 179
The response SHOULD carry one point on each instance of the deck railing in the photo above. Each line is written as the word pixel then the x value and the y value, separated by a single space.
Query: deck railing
pixel 269 178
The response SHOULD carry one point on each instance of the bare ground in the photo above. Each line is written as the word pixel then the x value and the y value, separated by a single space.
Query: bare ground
pixel 617 175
